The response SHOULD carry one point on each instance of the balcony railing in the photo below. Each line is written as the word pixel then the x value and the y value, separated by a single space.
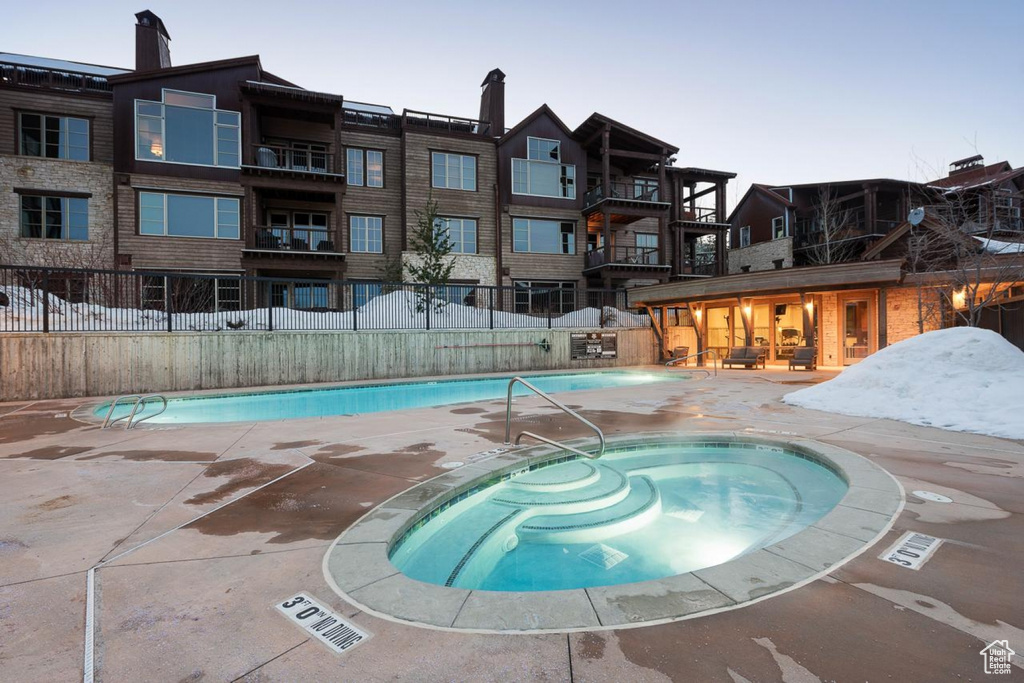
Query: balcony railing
pixel 54 79
pixel 357 117
pixel 700 214
pixel 636 256
pixel 293 158
pixel 277 238
pixel 619 190
pixel 444 123
pixel 702 267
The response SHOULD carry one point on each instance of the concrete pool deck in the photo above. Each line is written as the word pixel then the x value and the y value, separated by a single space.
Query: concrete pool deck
pixel 183 598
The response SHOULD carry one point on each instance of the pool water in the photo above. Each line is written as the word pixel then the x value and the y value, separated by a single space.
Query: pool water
pixel 353 400
pixel 636 514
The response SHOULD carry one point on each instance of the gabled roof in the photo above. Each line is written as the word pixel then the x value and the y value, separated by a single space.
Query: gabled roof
pixel 762 190
pixel 978 176
pixel 542 110
pixel 199 67
pixel 597 121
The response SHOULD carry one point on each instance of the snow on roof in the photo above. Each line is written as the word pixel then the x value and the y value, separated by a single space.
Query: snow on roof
pixel 998 247
pixel 963 378
pixel 369 108
pixel 60 65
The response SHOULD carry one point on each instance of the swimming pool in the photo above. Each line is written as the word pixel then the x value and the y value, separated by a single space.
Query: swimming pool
pixel 375 398
pixel 640 512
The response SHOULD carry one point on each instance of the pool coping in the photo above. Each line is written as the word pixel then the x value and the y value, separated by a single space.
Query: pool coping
pixel 357 568
pixel 85 412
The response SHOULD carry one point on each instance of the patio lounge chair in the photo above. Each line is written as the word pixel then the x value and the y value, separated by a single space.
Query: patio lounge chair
pixel 747 356
pixel 804 357
pixel 680 352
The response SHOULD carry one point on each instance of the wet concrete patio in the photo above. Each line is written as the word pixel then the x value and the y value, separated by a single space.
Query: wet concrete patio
pixel 190 597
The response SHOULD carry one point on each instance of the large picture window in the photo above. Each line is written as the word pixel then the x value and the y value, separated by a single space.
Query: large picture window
pixel 367 234
pixel 182 215
pixel 187 128
pixel 537 236
pixel 461 233
pixel 534 297
pixel 453 171
pixel 54 137
pixel 542 174
pixel 54 218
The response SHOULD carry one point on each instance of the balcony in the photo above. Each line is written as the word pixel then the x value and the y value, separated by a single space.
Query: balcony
pixel 272 241
pixel 625 258
pixel 625 203
pixel 293 161
pixel 21 75
pixel 704 215
pixel 370 119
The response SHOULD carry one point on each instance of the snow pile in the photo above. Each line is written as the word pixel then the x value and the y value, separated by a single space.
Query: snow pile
pixel 998 247
pixel 963 378
pixel 400 310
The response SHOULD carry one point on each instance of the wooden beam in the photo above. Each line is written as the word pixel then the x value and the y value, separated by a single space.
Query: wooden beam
pixel 658 332
pixel 698 330
pixel 697 195
pixel 626 154
pixel 748 324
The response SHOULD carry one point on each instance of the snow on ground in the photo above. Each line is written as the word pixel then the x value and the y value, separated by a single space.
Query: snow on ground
pixel 963 378
pixel 396 310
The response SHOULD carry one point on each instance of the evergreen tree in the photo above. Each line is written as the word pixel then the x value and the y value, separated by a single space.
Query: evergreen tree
pixel 433 247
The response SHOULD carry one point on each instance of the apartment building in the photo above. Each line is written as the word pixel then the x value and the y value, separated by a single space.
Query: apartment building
pixel 225 168
pixel 845 267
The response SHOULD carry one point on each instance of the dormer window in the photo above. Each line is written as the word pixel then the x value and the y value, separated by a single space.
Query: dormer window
pixel 542 174
pixel 187 128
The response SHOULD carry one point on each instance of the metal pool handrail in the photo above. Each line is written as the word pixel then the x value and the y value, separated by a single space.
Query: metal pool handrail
pixel 714 359
pixel 557 404
pixel 140 402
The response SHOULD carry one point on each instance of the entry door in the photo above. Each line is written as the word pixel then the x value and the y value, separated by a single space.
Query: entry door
pixel 856 329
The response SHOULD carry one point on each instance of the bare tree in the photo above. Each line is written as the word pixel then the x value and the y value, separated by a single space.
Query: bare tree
pixel 958 251
pixel 832 238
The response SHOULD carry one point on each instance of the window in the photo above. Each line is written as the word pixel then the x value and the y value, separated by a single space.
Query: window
pixel 647 248
pixel 595 241
pixel 542 174
pixel 367 234
pixel 297 230
pixel 183 215
pixel 363 292
pixel 301 295
pixel 453 171
pixel 536 236
pixel 364 167
pixel 779 227
pixel 192 294
pixel 186 128
pixel 461 233
pixel 745 236
pixel 54 218
pixel 536 298
pixel 645 189
pixel 55 137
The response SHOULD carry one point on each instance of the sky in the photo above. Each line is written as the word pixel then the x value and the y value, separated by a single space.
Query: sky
pixel 779 93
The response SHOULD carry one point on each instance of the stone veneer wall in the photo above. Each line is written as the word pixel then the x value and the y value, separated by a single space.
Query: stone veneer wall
pixel 62 175
pixel 481 269
pixel 761 256
pixel 902 313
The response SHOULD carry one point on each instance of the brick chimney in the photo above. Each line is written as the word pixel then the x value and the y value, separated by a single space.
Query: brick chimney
pixel 492 102
pixel 151 43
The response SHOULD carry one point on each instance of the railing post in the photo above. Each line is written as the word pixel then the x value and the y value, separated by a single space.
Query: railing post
pixel 168 305
pixel 46 301
pixel 352 292
pixel 270 306
pixel 492 308
pixel 549 309
pixel 429 303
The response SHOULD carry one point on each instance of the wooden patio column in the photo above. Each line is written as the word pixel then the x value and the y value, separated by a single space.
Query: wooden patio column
pixel 696 321
pixel 662 218
pixel 606 186
pixel 746 313
pixel 807 307
pixel 870 207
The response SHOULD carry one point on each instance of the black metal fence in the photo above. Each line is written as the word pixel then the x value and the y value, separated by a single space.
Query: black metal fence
pixel 36 299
